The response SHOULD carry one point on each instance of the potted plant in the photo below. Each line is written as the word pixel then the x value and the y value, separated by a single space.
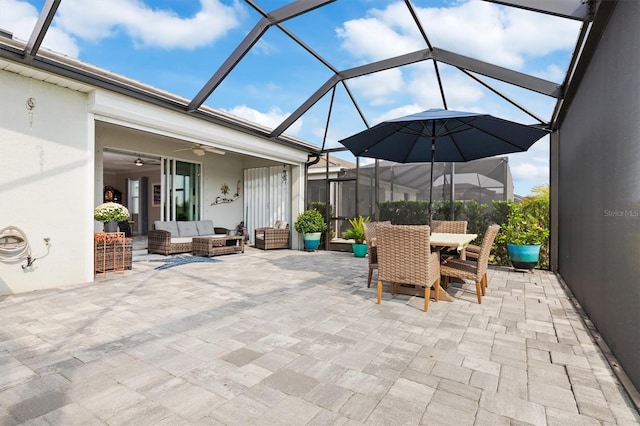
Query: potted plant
pixel 310 224
pixel 523 236
pixel 110 214
pixel 356 233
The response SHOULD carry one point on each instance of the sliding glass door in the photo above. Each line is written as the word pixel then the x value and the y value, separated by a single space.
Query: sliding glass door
pixel 180 190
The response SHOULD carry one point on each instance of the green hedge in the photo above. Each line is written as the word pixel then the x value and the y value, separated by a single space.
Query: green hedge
pixel 479 216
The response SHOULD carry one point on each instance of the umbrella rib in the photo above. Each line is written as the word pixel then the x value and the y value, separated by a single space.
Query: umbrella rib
pixel 469 123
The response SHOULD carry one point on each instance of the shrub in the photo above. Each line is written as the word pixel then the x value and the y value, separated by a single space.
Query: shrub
pixel 310 221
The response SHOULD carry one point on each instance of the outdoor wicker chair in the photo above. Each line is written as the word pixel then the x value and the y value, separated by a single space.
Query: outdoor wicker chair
pixel 405 257
pixel 449 226
pixel 472 252
pixel 370 235
pixel 470 270
pixel 276 237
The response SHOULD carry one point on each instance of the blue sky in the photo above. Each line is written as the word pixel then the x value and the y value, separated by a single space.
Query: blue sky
pixel 176 45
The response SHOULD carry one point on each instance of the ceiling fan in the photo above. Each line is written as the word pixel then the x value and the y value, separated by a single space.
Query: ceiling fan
pixel 200 150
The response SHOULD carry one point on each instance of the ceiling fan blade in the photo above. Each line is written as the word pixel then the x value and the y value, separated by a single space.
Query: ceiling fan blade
pixel 199 150
pixel 213 150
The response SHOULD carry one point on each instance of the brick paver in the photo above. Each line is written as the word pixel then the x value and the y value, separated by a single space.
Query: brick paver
pixel 290 337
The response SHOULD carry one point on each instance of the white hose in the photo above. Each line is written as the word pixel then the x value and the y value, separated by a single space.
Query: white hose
pixel 14 244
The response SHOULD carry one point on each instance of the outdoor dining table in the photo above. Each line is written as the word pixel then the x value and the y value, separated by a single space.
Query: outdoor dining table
pixel 439 240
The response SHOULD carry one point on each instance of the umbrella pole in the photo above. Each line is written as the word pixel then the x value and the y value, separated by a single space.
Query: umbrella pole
pixel 433 154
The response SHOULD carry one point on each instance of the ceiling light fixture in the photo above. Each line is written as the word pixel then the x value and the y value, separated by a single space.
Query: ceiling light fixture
pixel 139 162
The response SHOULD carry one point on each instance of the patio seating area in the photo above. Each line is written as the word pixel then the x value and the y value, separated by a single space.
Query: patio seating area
pixel 291 337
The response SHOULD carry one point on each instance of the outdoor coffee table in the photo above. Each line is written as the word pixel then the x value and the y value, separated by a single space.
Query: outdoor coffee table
pixel 214 246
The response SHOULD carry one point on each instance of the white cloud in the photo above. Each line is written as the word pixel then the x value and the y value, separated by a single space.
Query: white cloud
pixel 271 119
pixel 499 35
pixel 552 73
pixel 503 36
pixel 531 172
pixel 96 19
pixel 531 168
pixel 19 17
pixel 458 89
pixel 374 38
pixel 397 112
pixel 380 86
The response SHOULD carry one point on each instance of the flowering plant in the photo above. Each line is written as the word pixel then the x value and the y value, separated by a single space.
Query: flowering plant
pixel 107 212
pixel 224 188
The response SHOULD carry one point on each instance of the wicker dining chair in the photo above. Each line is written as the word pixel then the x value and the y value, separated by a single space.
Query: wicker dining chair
pixel 472 270
pixel 369 236
pixel 472 252
pixel 449 226
pixel 405 257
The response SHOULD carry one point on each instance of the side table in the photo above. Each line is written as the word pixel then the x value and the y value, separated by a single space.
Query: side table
pixel 109 252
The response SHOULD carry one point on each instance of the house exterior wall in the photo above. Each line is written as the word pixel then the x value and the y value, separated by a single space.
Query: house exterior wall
pixel 51 171
pixel 599 192
pixel 46 182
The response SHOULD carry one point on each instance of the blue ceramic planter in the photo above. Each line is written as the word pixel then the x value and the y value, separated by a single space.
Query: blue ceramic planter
pixel 311 240
pixel 523 257
pixel 359 250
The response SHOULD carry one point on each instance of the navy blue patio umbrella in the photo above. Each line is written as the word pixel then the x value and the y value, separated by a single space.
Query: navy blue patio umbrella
pixel 442 135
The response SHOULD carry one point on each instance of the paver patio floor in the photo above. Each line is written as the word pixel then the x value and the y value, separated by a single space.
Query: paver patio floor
pixel 289 337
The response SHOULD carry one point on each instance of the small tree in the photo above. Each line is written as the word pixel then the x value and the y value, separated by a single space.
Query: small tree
pixel 310 221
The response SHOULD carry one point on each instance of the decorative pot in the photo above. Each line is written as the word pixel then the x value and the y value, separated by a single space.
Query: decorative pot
pixel 359 249
pixel 111 226
pixel 523 256
pixel 311 240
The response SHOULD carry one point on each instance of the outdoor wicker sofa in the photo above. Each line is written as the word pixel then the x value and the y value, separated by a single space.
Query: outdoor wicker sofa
pixel 171 237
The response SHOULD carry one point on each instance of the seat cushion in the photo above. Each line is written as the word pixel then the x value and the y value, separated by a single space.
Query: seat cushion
pixel 187 229
pixel 281 224
pixel 205 227
pixel 170 226
pixel 180 240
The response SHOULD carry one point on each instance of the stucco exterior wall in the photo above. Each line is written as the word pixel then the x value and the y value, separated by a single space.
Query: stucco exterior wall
pixel 51 168
pixel 599 189
pixel 46 182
